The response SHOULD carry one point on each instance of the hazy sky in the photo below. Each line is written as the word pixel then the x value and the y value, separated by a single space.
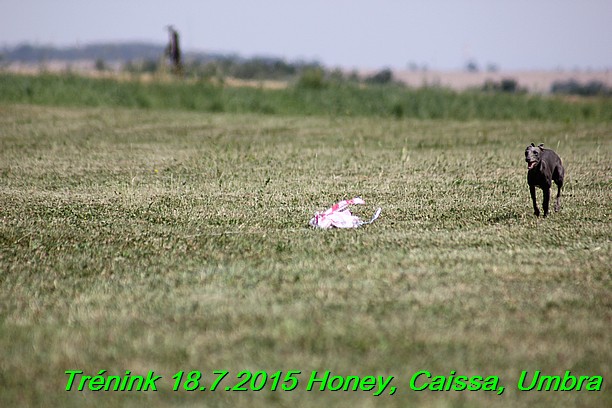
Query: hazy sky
pixel 441 34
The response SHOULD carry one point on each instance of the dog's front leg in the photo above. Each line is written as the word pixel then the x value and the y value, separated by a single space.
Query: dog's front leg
pixel 532 191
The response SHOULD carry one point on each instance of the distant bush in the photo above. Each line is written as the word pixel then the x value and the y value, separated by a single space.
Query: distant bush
pixel 312 78
pixel 381 77
pixel 471 66
pixel 508 85
pixel 100 65
pixel 573 87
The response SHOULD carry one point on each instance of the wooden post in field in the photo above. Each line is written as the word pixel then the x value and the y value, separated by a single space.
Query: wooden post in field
pixel 173 51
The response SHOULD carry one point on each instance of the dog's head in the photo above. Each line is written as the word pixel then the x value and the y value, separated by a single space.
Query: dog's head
pixel 533 154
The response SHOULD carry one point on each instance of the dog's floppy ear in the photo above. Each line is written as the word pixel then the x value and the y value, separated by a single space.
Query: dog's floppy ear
pixel 541 146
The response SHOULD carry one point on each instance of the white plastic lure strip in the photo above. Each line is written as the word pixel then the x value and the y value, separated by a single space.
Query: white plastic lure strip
pixel 339 216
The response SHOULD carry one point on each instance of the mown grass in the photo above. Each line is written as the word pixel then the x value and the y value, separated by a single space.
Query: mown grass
pixel 335 99
pixel 145 240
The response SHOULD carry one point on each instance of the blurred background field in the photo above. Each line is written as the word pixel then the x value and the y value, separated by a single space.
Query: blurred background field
pixel 313 93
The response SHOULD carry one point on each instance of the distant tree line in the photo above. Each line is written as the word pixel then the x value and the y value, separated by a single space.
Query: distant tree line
pixel 573 87
pixel 149 58
pixel 28 53
pixel 258 68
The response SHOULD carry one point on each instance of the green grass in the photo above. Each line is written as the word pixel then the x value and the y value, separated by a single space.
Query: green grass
pixel 333 100
pixel 166 240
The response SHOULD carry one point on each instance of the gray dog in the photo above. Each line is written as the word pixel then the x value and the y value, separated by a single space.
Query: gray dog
pixel 544 167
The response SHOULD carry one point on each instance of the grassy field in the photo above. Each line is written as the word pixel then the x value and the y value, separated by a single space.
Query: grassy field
pixel 173 240
pixel 312 98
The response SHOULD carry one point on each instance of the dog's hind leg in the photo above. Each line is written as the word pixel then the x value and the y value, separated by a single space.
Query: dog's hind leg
pixel 558 200
pixel 559 182
pixel 546 193
pixel 532 191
